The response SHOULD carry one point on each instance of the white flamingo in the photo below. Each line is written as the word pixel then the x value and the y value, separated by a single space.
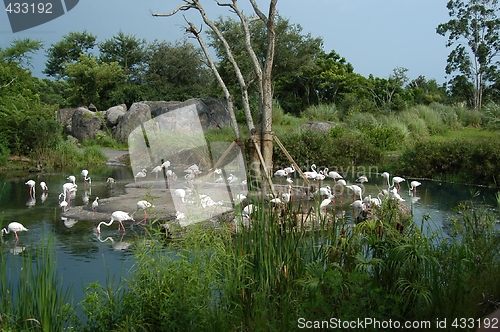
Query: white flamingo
pixel 119 216
pixel 86 178
pixel 143 205
pixel 44 186
pixel 141 175
pixel 95 204
pixel 14 227
pixel 156 170
pixel 32 184
pixel 413 186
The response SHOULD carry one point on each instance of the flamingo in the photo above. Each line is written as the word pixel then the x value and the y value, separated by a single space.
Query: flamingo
pixel 180 194
pixel 289 170
pixel 32 184
pixel 72 178
pixel 312 173
pixel 340 183
pixel 143 205
pixel 396 180
pixel 334 175
pixel 357 191
pixel 326 202
pixel 85 174
pixel 110 180
pixel 358 206
pixel 166 164
pixel 324 191
pixel 281 173
pixel 119 216
pixel 142 174
pixel 63 203
pixel 232 179
pixel 95 204
pixel 44 186
pixel 249 210
pixel 386 176
pixel 156 170
pixel 69 188
pixel 14 227
pixel 413 186
pixel 362 179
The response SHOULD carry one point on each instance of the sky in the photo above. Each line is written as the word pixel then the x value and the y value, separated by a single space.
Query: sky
pixel 375 36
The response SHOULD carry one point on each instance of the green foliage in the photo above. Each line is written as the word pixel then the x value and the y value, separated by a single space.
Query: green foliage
pixel 68 50
pixel 473 161
pixel 92 82
pixel 338 147
pixel 473 30
pixel 321 112
pixel 36 299
pixel 67 154
pixel 20 50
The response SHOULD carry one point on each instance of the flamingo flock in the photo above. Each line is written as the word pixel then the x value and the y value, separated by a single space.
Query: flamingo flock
pixel 327 194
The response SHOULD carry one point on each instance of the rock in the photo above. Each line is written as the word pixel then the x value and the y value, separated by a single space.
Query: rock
pixel 323 126
pixel 137 114
pixel 92 108
pixel 64 116
pixel 211 111
pixel 85 124
pixel 113 114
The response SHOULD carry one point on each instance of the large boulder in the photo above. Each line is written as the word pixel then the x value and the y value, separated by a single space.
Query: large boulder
pixel 134 117
pixel 212 112
pixel 113 114
pixel 65 117
pixel 321 126
pixel 85 124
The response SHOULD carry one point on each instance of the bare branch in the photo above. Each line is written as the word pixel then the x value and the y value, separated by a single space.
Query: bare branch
pixel 184 7
pixel 257 11
pixel 6 85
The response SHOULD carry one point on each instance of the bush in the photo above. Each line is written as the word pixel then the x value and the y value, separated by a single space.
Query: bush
pixel 322 112
pixel 339 148
pixel 476 162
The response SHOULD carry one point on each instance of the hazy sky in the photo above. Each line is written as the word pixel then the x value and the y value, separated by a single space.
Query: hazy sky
pixel 376 36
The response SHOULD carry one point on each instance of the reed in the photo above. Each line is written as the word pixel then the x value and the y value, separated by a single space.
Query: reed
pixel 33 297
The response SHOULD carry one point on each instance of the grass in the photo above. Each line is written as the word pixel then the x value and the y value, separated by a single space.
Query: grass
pixel 466 132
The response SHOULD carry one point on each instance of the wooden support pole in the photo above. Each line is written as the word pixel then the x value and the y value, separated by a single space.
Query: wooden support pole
pixel 291 160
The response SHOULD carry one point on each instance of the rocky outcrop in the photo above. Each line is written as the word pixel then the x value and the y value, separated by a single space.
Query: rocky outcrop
pixel 83 123
pixel 323 126
pixel 137 114
pixel 113 114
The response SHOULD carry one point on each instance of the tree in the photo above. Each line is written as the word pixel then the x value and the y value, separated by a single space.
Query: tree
pixel 474 30
pixel 92 82
pixel 262 72
pixel 66 51
pixel 175 71
pixel 295 53
pixel 127 50
pixel 20 51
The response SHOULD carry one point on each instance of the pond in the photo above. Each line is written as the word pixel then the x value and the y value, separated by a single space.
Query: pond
pixel 85 257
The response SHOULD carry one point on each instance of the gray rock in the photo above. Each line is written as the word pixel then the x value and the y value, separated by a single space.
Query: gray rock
pixel 211 111
pixel 323 126
pixel 113 114
pixel 85 124
pixel 134 117
pixel 64 116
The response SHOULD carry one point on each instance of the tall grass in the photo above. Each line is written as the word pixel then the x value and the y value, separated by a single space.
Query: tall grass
pixel 67 154
pixel 264 278
pixel 32 295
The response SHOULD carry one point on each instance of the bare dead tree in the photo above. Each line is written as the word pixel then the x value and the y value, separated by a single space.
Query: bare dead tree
pixel 263 139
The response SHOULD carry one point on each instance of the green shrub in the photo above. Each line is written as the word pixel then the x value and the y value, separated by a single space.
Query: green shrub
pixel 339 147
pixel 476 162
pixel 432 119
pixel 415 124
pixel 322 112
